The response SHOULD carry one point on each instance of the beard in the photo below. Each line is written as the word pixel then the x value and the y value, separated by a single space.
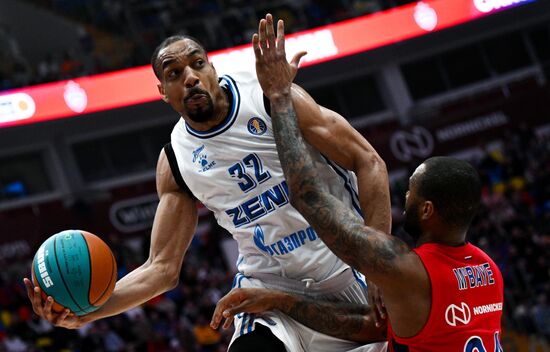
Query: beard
pixel 412 222
pixel 199 113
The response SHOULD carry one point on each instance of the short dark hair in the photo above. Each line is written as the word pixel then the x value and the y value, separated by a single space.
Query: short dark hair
pixel 454 187
pixel 164 44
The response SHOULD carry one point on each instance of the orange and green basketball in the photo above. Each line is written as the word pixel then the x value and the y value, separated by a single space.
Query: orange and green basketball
pixel 77 269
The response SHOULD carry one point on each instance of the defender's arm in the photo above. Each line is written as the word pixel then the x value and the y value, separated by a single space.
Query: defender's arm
pixel 386 260
pixel 344 320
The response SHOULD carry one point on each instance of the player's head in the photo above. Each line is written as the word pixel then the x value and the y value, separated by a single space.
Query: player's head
pixel 188 81
pixel 443 197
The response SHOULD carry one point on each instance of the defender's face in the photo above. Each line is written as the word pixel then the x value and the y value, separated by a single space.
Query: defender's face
pixel 188 80
pixel 413 224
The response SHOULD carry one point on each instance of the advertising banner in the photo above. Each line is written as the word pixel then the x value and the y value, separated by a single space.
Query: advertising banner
pixel 101 92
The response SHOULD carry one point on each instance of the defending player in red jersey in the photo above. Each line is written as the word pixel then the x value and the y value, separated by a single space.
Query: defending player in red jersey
pixel 445 295
pixel 466 307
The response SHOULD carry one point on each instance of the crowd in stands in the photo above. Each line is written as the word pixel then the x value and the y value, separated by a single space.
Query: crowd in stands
pixel 116 34
pixel 513 226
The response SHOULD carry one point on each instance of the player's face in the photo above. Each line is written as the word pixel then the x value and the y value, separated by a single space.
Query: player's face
pixel 188 80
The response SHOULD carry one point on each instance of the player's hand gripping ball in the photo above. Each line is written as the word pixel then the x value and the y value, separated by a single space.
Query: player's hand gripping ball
pixel 77 269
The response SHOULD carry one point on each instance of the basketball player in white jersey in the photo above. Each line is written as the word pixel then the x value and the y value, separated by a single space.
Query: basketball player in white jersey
pixel 223 154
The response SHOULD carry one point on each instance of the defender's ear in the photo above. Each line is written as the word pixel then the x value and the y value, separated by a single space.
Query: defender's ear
pixel 427 210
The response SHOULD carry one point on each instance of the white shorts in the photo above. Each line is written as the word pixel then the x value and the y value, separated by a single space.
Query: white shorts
pixel 348 286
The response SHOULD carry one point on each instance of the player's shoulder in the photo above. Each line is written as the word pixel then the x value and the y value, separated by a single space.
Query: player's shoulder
pixel 245 88
pixel 163 172
pixel 478 251
pixel 178 129
pixel 484 256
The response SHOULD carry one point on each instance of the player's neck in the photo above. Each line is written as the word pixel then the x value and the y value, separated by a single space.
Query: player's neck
pixel 445 237
pixel 221 109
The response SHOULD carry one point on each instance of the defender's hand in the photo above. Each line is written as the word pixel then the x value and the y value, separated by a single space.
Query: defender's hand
pixel 376 301
pixel 65 319
pixel 239 300
pixel 275 74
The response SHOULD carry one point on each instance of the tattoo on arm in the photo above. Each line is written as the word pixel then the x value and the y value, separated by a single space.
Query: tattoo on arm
pixel 339 319
pixel 360 246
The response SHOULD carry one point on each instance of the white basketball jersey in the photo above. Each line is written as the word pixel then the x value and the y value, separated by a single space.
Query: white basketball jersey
pixel 234 170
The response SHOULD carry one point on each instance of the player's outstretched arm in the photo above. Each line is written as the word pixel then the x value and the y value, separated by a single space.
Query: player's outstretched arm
pixel 330 133
pixel 173 228
pixel 344 320
pixel 386 260
pixel 362 247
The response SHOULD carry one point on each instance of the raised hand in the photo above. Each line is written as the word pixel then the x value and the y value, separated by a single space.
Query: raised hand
pixel 65 319
pixel 247 300
pixel 274 72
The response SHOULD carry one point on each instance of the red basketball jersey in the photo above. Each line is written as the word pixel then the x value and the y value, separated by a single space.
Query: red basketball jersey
pixel 467 299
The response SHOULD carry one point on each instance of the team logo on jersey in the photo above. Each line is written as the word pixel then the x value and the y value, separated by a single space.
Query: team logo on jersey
pixel 256 126
pixel 259 238
pixel 200 157
pixel 197 152
pixel 455 314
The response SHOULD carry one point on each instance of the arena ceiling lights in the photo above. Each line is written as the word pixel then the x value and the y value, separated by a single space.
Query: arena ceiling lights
pixel 138 85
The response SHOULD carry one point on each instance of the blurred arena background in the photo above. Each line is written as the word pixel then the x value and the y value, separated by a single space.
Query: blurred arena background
pixel 468 78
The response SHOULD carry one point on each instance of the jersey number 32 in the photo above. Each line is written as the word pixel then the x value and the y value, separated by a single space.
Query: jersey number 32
pixel 250 172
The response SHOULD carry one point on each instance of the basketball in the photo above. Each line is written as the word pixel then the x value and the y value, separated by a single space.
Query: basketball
pixel 77 269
